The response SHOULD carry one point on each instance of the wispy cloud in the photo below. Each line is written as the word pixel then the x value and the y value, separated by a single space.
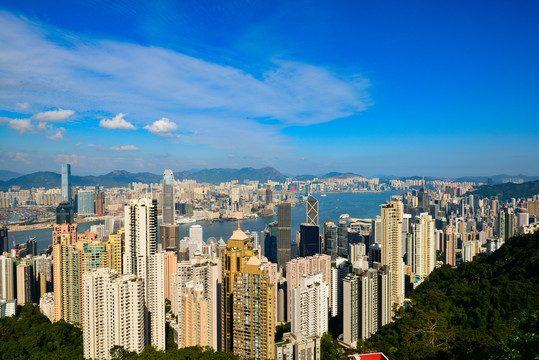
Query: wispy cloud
pixel 59 135
pixel 22 106
pixel 54 115
pixel 124 148
pixel 118 122
pixel 162 127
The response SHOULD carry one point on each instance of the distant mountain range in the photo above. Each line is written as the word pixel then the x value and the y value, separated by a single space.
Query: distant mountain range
pixel 508 190
pixel 119 178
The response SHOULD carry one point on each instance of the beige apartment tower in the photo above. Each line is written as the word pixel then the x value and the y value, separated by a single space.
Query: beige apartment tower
pixel 391 227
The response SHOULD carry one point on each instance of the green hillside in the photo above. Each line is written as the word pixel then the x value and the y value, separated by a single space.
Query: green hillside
pixel 508 190
pixel 465 313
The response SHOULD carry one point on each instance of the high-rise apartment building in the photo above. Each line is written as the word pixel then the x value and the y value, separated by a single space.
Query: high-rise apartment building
pixel 168 197
pixel 7 277
pixel 155 300
pixel 509 223
pixel 114 313
pixel 269 195
pixel 392 214
pixel 450 246
pixel 367 304
pixel 115 249
pixel 86 202
pixel 284 241
pixel 312 210
pixel 247 302
pixel 66 183
pixel 24 283
pixel 338 273
pixel 100 202
pixel 423 246
pixel 205 278
pixel 310 306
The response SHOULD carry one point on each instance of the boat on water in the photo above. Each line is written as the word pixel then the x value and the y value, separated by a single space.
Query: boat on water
pixel 323 195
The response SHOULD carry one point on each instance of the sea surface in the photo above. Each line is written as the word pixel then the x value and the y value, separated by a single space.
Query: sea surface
pixel 330 207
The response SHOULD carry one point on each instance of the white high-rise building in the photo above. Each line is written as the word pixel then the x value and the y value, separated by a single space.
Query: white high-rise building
pixel 155 300
pixel 141 259
pixel 423 246
pixel 367 304
pixel 391 229
pixel 310 306
pixel 195 233
pixel 113 313
pixel 7 278
pixel 338 273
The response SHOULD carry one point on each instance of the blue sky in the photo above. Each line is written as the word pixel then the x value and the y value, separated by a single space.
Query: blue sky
pixel 375 87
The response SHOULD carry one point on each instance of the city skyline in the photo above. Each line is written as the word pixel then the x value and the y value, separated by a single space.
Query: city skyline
pixel 365 88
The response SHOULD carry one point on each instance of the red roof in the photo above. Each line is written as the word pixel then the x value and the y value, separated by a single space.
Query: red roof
pixel 373 356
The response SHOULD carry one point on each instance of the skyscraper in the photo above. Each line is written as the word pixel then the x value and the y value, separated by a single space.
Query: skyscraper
pixel 338 273
pixel 284 241
pixel 269 241
pixel 170 237
pixel 24 283
pixel 312 210
pixel 247 301
pixel 342 239
pixel 196 233
pixel 392 214
pixel 168 197
pixel 3 238
pixel 309 240
pixel 269 195
pixel 86 202
pixel 330 239
pixel 66 183
pixel 7 277
pixel 423 246
pixel 113 312
pixel 367 304
pixel 64 213
pixel 310 306
pixel 141 259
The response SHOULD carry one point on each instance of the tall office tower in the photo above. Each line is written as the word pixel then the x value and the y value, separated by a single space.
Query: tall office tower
pixel 509 223
pixel 310 306
pixel 392 248
pixel 171 268
pixel 170 237
pixel 500 224
pixel 375 254
pixel 115 247
pixel 168 197
pixel 24 283
pixel 269 195
pixel 342 239
pixel 4 238
pixel 64 213
pixel 423 246
pixel 423 199
pixel 269 241
pixel 296 268
pixel 309 244
pixel 330 239
pixel 66 183
pixel 195 233
pixel 140 235
pixel 367 304
pixel 206 273
pixel 312 210
pixel 338 273
pixel 114 313
pixel 376 237
pixel 7 277
pixel 99 203
pixel 284 241
pixel 155 300
pixel 85 203
pixel 247 302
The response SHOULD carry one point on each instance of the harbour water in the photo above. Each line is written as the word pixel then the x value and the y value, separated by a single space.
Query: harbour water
pixel 330 207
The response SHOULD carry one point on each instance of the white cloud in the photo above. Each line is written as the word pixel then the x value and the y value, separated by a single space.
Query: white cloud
pixel 162 127
pixel 21 125
pixel 118 122
pixel 22 106
pixel 59 135
pixel 124 148
pixel 54 115
pixel 18 156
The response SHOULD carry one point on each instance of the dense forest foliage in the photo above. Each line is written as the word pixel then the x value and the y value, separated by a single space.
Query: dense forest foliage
pixel 484 309
pixel 469 312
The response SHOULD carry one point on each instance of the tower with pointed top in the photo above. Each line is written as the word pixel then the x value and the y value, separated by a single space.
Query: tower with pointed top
pixel 248 304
